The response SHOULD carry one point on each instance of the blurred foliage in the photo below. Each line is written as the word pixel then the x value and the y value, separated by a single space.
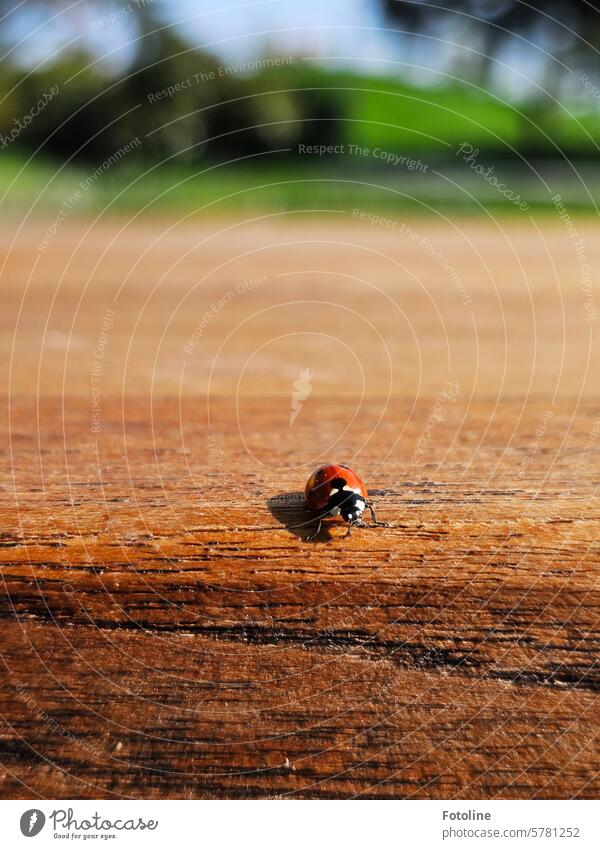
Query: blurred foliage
pixel 561 33
pixel 213 113
pixel 229 117
pixel 217 114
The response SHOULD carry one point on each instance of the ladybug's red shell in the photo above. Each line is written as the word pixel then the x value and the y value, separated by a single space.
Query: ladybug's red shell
pixel 318 486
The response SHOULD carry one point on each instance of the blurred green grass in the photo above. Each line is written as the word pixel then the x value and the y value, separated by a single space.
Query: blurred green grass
pixel 42 187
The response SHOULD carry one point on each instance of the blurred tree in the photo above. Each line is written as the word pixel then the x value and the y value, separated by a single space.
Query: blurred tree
pixel 532 53
pixel 561 29
pixel 175 97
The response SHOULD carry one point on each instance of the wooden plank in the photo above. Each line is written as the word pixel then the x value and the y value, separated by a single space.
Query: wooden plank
pixel 167 630
pixel 456 648
pixel 95 712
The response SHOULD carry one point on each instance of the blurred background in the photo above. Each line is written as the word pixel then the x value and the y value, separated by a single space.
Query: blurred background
pixel 287 105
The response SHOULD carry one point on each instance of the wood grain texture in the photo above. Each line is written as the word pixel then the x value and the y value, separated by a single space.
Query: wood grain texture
pixel 166 629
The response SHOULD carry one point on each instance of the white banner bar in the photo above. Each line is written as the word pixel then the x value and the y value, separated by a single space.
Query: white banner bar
pixel 286 824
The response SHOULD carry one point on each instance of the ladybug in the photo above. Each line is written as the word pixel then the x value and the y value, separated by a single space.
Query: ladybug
pixel 334 490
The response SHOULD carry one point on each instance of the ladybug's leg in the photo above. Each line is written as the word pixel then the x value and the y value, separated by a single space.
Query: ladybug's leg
pixel 374 517
pixel 316 532
pixel 357 524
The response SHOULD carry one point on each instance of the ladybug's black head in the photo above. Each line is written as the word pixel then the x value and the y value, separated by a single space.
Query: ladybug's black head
pixel 350 503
